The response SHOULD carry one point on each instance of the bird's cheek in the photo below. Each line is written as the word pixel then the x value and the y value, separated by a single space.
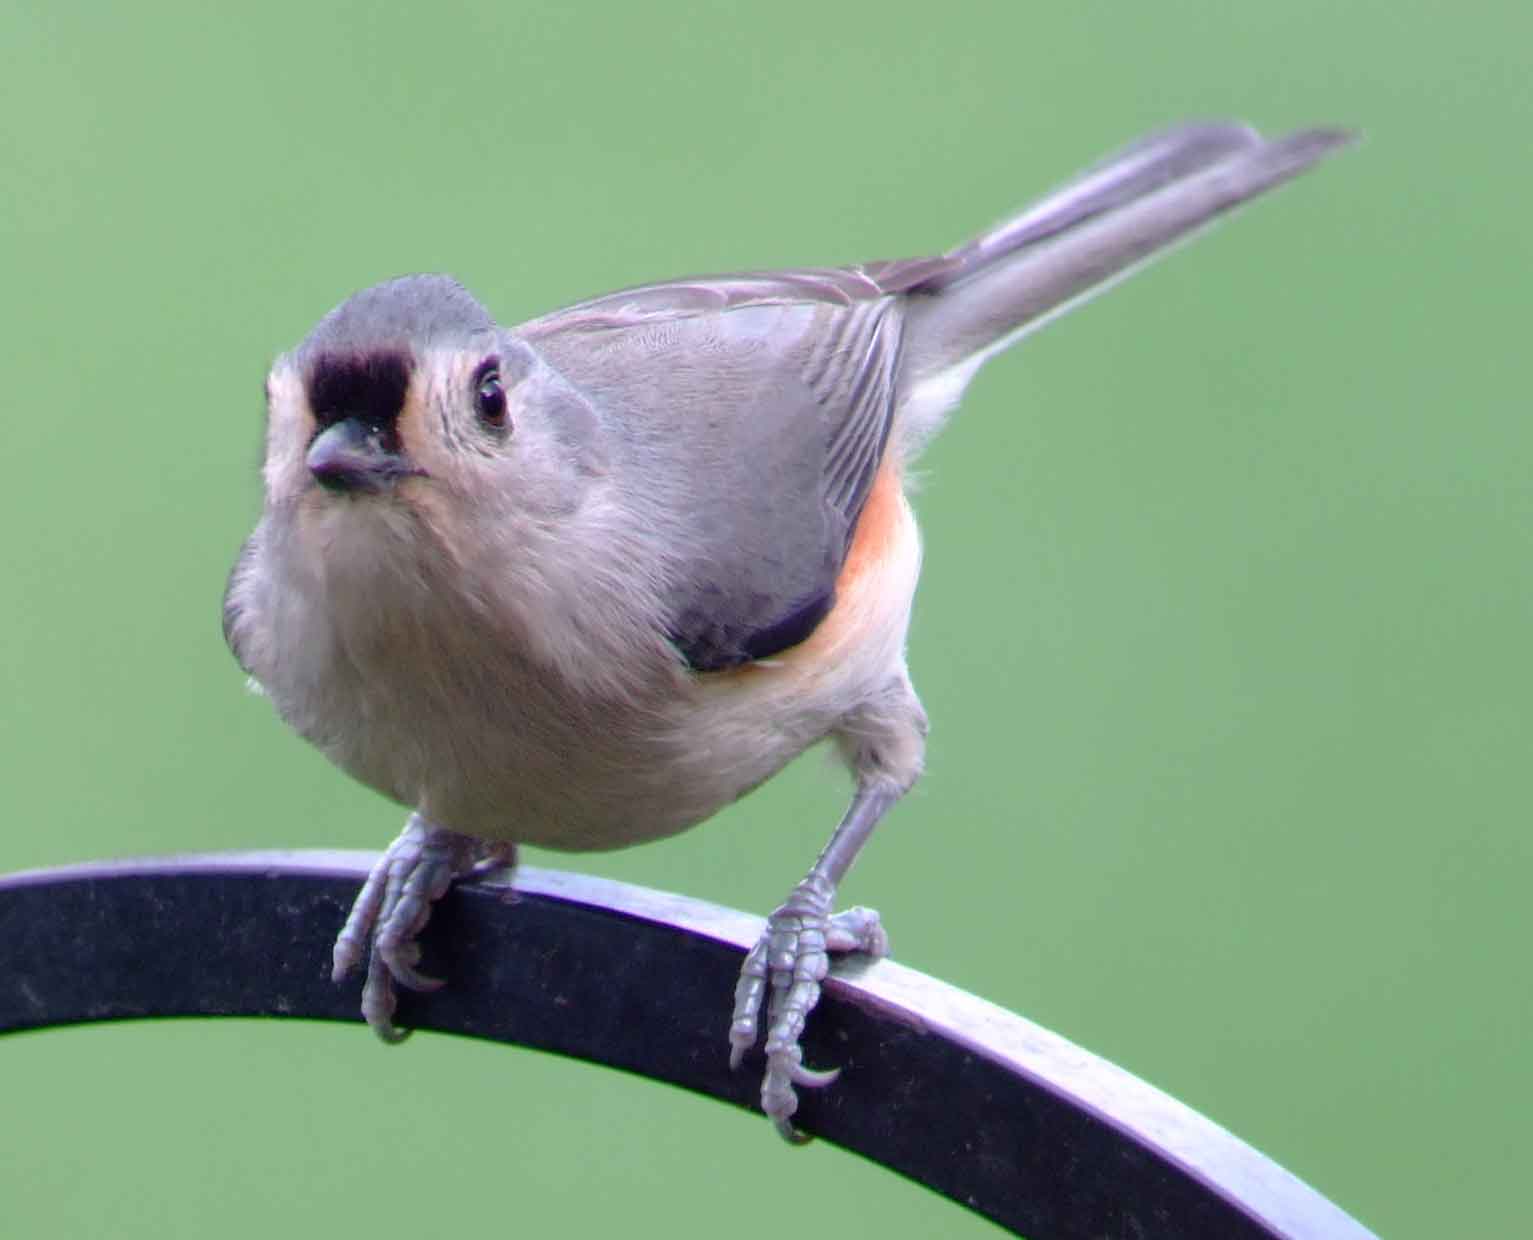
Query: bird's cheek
pixel 289 428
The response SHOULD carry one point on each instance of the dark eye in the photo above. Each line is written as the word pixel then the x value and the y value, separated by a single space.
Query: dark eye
pixel 490 398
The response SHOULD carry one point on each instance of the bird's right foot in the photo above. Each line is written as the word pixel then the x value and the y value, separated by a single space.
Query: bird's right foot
pixel 392 908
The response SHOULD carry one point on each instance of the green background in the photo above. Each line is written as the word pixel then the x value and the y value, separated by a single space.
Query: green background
pixel 1223 631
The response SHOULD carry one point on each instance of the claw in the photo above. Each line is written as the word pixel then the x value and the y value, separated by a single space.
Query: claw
pixel 401 967
pixel 815 1078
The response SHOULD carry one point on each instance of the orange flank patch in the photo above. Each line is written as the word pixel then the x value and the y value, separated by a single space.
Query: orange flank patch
pixel 881 531
pixel 878 529
pixel 881 546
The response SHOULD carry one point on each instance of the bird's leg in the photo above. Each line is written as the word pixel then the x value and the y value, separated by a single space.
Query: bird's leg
pixel 792 957
pixel 392 908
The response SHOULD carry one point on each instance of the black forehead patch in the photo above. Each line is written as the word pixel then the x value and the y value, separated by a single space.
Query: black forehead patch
pixel 367 386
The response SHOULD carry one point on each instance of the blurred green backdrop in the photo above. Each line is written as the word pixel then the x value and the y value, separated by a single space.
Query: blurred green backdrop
pixel 1223 633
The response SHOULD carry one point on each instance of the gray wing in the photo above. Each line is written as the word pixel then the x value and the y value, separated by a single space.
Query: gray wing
pixel 758 405
pixel 754 410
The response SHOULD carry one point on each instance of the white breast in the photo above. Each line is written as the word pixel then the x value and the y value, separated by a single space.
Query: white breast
pixel 414 692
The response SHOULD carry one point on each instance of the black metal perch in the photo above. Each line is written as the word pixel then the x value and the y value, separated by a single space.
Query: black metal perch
pixel 1002 1116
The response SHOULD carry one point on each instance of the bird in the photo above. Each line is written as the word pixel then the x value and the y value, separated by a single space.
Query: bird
pixel 583 582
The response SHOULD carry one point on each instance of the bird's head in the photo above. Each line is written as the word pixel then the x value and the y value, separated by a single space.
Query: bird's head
pixel 438 497
pixel 408 399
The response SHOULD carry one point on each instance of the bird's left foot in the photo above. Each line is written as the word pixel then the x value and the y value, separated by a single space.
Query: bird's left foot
pixel 791 959
pixel 392 908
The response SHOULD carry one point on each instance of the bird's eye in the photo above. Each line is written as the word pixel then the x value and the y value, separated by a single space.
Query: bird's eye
pixel 490 398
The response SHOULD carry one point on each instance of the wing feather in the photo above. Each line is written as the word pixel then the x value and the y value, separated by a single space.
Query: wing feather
pixel 761 460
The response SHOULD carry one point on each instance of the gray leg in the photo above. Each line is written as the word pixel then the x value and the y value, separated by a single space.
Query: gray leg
pixel 883 744
pixel 392 909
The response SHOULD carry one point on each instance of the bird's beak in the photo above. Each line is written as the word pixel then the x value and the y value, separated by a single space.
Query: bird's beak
pixel 349 455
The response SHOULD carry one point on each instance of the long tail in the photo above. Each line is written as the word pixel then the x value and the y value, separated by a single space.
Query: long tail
pixel 1084 237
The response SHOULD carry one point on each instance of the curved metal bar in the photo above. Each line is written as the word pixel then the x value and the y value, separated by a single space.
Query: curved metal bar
pixel 1002 1116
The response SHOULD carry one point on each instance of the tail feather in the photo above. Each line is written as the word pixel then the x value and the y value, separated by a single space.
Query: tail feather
pixel 1130 173
pixel 1084 237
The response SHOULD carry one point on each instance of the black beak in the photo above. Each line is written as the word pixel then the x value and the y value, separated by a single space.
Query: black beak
pixel 351 456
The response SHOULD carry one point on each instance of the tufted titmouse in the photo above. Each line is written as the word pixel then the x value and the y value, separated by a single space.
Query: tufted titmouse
pixel 581 583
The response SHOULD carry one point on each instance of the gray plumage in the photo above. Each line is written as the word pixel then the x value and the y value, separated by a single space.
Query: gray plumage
pixel 584 581
pixel 790 379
